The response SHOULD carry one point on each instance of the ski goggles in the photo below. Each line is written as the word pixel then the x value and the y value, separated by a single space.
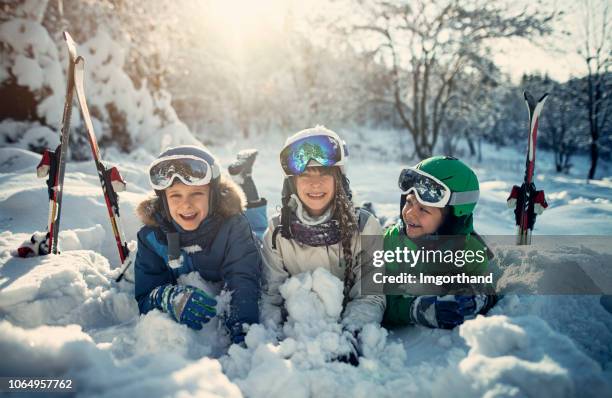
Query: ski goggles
pixel 189 169
pixel 325 150
pixel 430 191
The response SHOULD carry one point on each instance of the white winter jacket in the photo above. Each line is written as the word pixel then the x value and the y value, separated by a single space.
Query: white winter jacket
pixel 292 257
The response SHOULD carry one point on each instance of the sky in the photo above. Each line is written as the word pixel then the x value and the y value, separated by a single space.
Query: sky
pixel 555 55
pixel 246 22
pixel 519 56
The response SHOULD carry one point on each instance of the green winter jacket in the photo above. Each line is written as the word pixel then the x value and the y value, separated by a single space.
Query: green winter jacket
pixel 397 312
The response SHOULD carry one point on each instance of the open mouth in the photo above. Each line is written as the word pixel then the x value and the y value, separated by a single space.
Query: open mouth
pixel 188 216
pixel 411 225
pixel 316 195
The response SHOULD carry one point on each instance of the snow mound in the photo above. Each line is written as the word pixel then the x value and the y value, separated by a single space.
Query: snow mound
pixel 73 287
pixel 48 350
pixel 68 352
pixel 305 362
pixel 14 160
pixel 525 357
pixel 556 265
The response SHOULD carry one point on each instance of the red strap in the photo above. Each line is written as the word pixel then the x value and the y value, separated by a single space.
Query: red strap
pixel 540 199
pixel 24 251
pixel 514 194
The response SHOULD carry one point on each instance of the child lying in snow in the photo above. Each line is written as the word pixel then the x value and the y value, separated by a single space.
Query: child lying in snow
pixel 318 227
pixel 439 196
pixel 196 222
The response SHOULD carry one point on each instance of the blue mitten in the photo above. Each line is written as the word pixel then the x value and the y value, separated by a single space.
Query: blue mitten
pixel 446 312
pixel 187 305
pixel 237 334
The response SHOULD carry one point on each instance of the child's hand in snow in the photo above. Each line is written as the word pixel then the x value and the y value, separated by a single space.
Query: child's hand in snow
pixel 446 312
pixel 351 357
pixel 188 305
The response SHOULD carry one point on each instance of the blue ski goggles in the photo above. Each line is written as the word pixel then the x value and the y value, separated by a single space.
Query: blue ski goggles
pixel 190 170
pixel 325 150
pixel 430 191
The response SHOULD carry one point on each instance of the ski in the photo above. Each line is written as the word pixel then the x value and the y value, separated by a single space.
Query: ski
pixel 53 163
pixel 110 179
pixel 526 200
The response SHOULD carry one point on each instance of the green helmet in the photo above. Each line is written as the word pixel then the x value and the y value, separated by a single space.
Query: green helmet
pixel 458 176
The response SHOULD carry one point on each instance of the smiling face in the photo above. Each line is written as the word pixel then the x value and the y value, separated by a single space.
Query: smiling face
pixel 420 220
pixel 316 189
pixel 188 204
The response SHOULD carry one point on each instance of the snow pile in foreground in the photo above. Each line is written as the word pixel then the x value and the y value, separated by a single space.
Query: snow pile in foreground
pixel 524 356
pixel 116 352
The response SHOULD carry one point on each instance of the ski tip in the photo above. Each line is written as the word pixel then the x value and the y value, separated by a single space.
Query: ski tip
pixel 71 45
pixel 543 97
pixel 68 39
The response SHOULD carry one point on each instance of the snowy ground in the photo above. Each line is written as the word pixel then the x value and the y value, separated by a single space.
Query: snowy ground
pixel 65 316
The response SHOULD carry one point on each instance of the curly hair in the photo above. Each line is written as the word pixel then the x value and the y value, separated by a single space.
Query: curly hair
pixel 344 213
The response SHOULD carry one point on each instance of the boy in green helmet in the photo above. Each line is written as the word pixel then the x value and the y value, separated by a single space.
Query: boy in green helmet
pixel 438 198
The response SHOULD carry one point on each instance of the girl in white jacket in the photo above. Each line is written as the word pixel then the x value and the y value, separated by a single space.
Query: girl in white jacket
pixel 319 227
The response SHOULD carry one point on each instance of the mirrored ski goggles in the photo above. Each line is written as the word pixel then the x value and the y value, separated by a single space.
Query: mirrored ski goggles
pixel 189 169
pixel 325 150
pixel 430 191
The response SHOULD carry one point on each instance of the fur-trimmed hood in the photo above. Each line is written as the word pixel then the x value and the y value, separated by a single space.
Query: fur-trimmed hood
pixel 231 202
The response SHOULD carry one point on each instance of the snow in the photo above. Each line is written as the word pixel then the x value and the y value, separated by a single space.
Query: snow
pixel 73 287
pixel 192 248
pixel 35 61
pixel 65 316
pixel 32 58
pixel 525 356
pixel 39 137
pixel 28 72
pixel 108 87
pixel 15 159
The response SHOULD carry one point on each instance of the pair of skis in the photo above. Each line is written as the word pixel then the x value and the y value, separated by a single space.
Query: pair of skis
pixel 53 164
pixel 527 201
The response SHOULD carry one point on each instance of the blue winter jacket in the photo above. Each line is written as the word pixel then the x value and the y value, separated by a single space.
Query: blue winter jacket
pixel 226 252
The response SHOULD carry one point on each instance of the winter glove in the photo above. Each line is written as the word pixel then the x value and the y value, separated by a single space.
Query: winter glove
pixel 243 165
pixel 37 245
pixel 448 311
pixel 351 357
pixel 237 334
pixel 240 171
pixel 188 305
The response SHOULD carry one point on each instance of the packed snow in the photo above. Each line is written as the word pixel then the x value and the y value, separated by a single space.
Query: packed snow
pixel 63 315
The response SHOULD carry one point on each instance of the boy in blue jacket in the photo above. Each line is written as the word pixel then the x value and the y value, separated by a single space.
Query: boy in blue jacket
pixel 197 222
